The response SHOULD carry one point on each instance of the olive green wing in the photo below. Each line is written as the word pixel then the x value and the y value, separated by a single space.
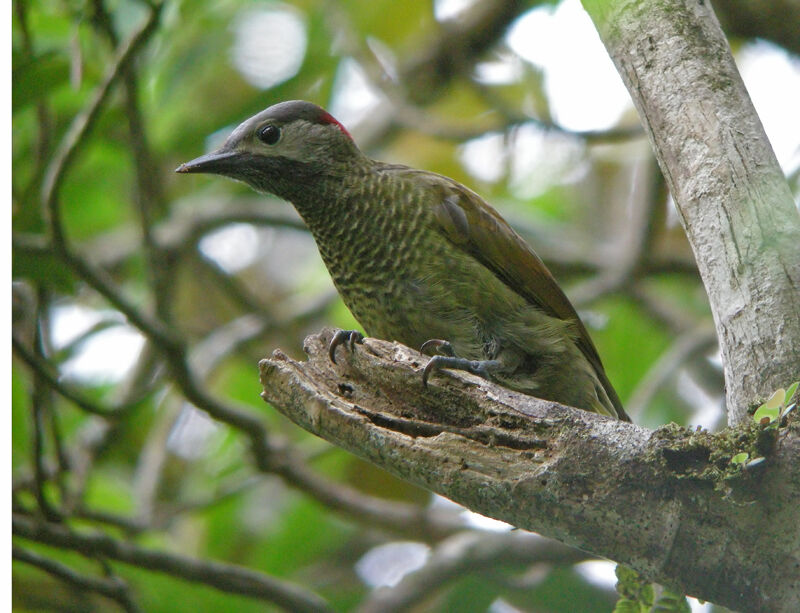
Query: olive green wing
pixel 468 222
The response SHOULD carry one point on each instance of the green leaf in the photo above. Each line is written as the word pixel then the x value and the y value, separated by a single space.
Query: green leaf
pixel 790 392
pixel 624 605
pixel 633 586
pixel 740 458
pixel 766 412
pixel 776 400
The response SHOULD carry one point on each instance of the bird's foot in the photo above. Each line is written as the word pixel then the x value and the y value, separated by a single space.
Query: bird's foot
pixel 436 346
pixel 344 337
pixel 482 368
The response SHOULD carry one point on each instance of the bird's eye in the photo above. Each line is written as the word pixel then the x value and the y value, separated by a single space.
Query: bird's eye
pixel 269 134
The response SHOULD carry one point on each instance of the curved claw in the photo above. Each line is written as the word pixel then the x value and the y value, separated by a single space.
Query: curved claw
pixel 430 367
pixel 437 346
pixel 344 337
pixel 482 368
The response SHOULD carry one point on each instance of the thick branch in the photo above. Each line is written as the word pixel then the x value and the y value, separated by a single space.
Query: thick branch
pixel 731 194
pixel 665 502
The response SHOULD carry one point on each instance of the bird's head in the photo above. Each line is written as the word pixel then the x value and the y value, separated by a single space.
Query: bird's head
pixel 281 149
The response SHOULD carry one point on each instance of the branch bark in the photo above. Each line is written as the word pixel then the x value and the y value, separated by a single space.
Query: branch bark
pixel 666 502
pixel 731 195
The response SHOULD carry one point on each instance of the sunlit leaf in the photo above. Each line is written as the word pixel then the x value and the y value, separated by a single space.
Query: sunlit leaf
pixel 791 391
pixel 777 399
pixel 767 413
pixel 740 458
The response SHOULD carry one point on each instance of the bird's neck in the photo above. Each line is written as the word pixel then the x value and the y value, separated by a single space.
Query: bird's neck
pixel 359 221
pixel 333 204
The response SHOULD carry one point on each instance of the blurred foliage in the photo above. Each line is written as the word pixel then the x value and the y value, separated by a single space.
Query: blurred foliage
pixel 161 474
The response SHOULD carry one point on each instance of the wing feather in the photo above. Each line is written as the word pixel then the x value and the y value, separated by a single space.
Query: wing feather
pixel 471 224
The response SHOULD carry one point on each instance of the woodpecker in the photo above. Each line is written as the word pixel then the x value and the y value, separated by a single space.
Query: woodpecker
pixel 420 259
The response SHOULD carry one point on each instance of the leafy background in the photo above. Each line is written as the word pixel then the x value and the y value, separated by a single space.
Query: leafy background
pixel 110 439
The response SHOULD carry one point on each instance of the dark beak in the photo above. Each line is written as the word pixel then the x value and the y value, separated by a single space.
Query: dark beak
pixel 216 162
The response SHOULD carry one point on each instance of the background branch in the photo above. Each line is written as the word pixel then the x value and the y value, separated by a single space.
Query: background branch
pixel 224 577
pixel 465 553
pixel 112 588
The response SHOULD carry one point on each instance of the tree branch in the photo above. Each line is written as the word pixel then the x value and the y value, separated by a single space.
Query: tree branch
pixel 464 553
pixel 667 502
pixel 225 577
pixel 731 195
pixel 112 587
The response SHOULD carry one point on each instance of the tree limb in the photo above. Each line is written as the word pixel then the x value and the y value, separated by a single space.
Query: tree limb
pixel 667 502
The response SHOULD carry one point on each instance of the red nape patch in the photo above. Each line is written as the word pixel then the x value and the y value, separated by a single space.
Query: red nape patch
pixel 326 117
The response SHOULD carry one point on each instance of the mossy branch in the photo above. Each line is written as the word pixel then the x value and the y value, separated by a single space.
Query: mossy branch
pixel 666 502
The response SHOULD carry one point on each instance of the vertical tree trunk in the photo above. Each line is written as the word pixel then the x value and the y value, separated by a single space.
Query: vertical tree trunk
pixel 731 195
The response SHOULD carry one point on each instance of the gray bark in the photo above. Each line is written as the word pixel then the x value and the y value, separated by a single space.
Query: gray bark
pixel 731 195
pixel 666 502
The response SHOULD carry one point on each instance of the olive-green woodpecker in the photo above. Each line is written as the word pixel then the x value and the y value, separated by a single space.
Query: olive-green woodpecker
pixel 420 259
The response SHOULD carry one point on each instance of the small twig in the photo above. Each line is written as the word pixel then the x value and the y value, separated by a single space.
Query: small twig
pixel 41 402
pixel 68 148
pixel 225 493
pixel 42 111
pixel 131 526
pixel 153 457
pixel 113 587
pixel 224 577
pixel 149 189
pixel 223 341
pixel 183 229
pixel 228 284
pixel 78 131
